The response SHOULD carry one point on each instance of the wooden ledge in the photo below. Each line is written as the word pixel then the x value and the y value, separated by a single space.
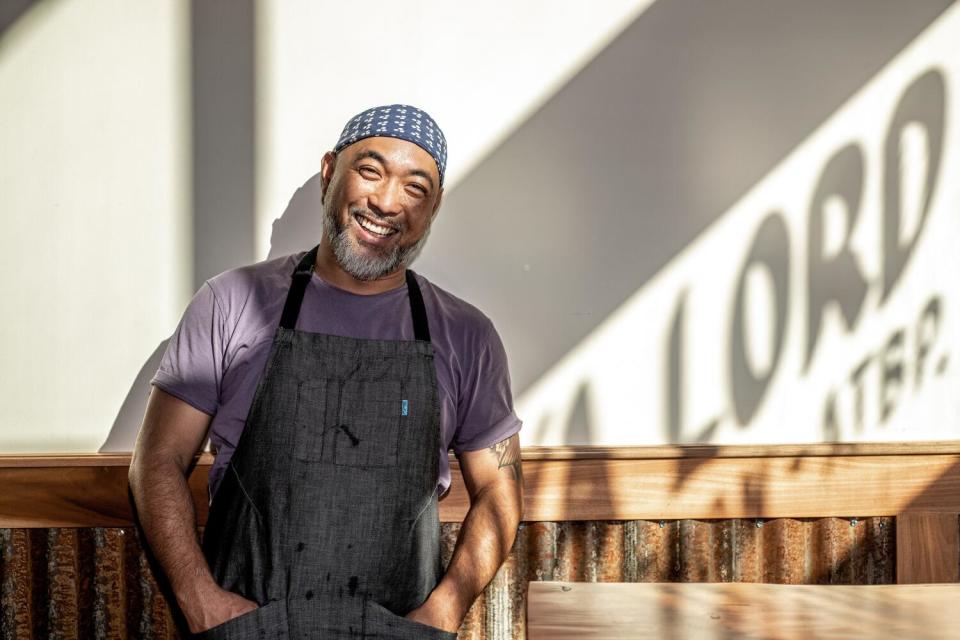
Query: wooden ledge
pixel 580 452
pixel 576 483
pixel 698 451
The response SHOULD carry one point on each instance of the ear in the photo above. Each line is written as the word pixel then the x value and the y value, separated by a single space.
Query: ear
pixel 327 167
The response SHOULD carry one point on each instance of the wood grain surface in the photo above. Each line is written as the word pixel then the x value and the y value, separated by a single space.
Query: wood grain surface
pixel 77 495
pixel 591 611
pixel 880 480
pixel 580 452
pixel 842 486
pixel 928 548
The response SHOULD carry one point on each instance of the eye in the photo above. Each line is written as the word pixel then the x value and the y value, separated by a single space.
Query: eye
pixel 368 171
pixel 417 189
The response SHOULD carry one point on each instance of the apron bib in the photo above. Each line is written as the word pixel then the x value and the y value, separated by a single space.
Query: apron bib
pixel 327 513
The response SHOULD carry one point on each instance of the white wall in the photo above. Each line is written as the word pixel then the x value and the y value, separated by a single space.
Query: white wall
pixel 95 197
pixel 478 68
pixel 94 170
pixel 95 258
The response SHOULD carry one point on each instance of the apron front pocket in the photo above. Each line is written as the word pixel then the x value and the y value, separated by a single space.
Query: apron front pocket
pixel 268 622
pixel 381 623
pixel 368 433
pixel 233 540
pixel 318 402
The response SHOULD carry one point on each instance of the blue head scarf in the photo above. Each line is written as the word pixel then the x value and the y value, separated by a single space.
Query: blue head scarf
pixel 398 121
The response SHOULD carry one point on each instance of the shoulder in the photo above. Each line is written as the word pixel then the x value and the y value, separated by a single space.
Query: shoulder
pixel 263 280
pixel 462 321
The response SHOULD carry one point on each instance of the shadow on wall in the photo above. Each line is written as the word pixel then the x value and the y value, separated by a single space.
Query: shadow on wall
pixel 298 228
pixel 13 10
pixel 301 224
pixel 126 425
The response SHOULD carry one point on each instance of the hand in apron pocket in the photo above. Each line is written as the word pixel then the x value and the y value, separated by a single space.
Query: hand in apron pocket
pixel 381 623
pixel 268 622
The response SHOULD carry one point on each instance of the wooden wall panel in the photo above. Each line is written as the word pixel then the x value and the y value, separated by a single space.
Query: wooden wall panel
pixel 928 548
pixel 724 487
pixel 575 483
pixel 710 515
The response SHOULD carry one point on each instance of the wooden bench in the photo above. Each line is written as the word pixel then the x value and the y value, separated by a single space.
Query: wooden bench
pixel 594 611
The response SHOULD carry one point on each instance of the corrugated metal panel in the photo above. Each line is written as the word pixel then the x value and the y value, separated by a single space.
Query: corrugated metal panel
pixel 98 583
pixel 79 583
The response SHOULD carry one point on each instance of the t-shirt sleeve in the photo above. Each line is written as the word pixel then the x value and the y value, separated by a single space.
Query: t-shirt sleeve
pixel 192 364
pixel 485 412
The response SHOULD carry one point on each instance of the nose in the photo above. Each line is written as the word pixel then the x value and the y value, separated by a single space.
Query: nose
pixel 385 200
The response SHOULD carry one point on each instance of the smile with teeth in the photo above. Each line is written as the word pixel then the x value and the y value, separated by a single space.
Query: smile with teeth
pixel 372 227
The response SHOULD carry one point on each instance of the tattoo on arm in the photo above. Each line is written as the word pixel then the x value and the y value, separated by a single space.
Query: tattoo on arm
pixel 508 455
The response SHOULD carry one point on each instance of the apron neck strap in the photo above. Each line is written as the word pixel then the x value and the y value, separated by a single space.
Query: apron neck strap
pixel 301 278
pixel 421 330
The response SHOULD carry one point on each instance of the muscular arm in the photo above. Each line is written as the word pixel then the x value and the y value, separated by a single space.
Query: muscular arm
pixel 494 481
pixel 172 432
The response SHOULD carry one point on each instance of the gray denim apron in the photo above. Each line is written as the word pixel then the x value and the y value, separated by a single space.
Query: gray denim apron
pixel 327 513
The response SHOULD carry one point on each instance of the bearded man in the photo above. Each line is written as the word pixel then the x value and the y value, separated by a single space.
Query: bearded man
pixel 332 383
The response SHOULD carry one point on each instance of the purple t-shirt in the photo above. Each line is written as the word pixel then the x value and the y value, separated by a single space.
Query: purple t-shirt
pixel 219 350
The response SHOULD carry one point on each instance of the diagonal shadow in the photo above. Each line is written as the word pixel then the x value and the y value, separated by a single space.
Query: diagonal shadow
pixel 13 10
pixel 631 160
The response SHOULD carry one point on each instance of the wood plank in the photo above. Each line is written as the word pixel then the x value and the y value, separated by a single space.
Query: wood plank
pixel 593 611
pixel 928 548
pixel 665 489
pixel 81 496
pixel 579 452
pixel 44 461
pixel 580 489
pixel 742 451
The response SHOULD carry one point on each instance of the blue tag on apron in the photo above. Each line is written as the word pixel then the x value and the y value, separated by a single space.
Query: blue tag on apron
pixel 404 407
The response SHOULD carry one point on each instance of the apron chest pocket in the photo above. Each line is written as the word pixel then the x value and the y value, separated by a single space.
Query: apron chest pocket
pixel 318 402
pixel 368 430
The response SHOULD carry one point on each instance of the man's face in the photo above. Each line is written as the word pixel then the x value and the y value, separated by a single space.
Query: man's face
pixel 379 200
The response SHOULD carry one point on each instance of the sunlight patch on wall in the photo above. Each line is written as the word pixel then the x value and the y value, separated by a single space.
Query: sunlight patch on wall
pixel 822 306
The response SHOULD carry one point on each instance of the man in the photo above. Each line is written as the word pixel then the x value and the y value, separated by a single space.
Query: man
pixel 332 383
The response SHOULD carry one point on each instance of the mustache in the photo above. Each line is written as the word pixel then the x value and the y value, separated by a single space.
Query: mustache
pixel 376 217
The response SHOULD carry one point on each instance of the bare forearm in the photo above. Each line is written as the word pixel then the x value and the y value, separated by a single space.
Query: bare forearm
pixel 169 438
pixel 485 540
pixel 167 515
pixel 494 480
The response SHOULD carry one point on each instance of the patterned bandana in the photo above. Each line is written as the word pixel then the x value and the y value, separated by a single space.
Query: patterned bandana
pixel 398 121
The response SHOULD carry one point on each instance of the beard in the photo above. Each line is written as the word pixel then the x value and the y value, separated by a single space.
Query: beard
pixel 358 261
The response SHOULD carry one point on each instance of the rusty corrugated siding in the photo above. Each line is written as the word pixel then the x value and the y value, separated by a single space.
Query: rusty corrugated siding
pixel 79 583
pixel 98 583
pixel 784 550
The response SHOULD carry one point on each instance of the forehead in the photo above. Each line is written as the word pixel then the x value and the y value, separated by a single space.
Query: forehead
pixel 400 155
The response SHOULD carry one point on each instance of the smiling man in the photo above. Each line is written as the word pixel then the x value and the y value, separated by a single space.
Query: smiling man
pixel 332 384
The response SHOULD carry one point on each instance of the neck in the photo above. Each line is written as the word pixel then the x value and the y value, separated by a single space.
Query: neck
pixel 330 270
